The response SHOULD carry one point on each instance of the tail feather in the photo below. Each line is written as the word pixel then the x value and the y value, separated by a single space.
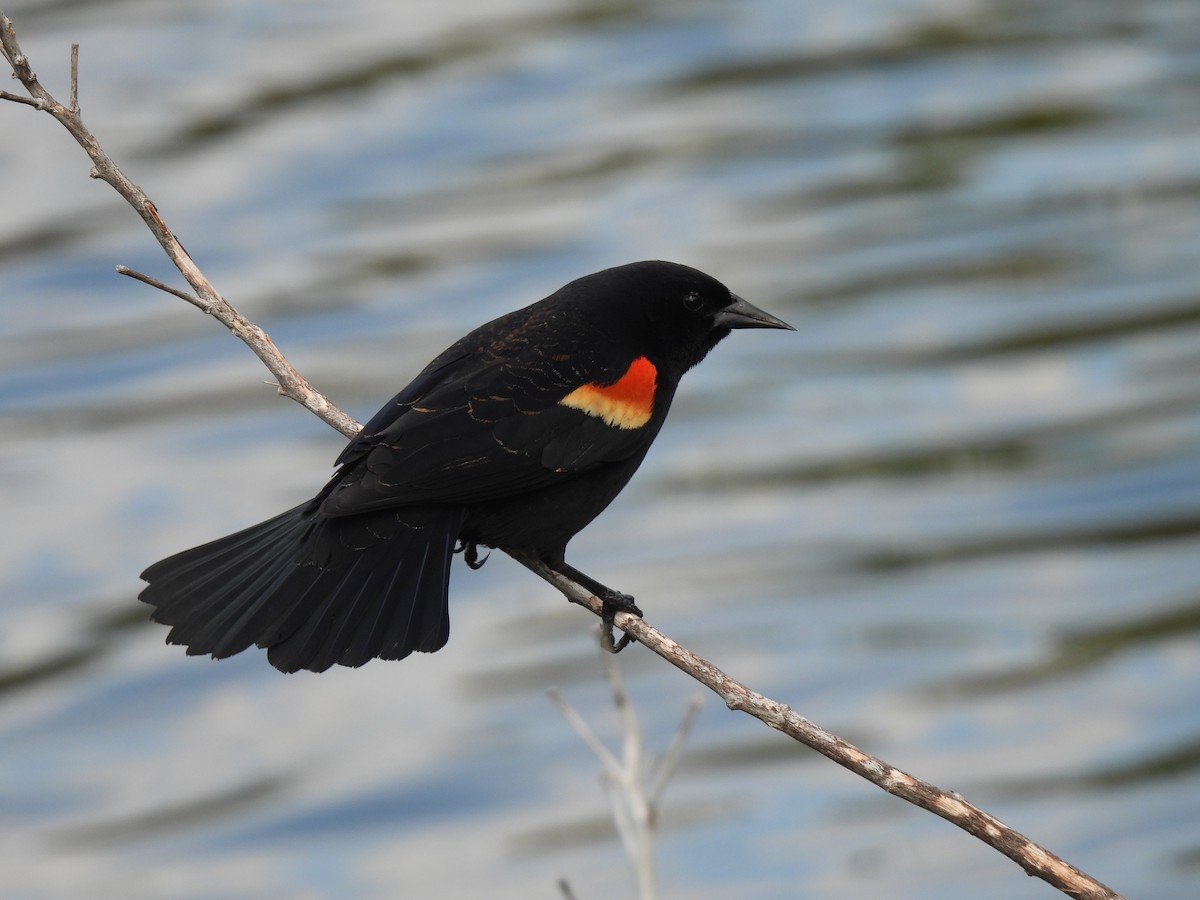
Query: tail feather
pixel 316 625
pixel 311 590
pixel 208 592
pixel 368 639
pixel 200 589
pixel 228 606
pixel 430 576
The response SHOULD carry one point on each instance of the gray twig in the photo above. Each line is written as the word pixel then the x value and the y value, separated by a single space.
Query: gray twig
pixel 666 767
pixel 154 282
pixel 74 107
pixel 625 780
pixel 290 383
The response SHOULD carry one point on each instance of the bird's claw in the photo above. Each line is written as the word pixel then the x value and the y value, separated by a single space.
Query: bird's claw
pixel 470 552
pixel 616 602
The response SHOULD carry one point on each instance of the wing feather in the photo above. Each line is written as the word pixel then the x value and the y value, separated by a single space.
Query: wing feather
pixel 477 430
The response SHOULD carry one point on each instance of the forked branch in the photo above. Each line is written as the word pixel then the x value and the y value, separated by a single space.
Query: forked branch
pixel 205 296
pixel 1034 859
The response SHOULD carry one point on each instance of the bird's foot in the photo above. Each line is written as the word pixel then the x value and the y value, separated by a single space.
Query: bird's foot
pixel 615 602
pixel 470 552
pixel 612 602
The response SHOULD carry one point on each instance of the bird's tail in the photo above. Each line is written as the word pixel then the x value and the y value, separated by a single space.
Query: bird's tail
pixel 313 590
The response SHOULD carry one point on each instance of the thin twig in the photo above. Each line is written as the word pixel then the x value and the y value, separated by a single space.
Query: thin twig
pixel 1032 858
pixel 154 282
pixel 615 777
pixel 74 107
pixel 625 781
pixel 17 98
pixel 666 768
pixel 581 728
pixel 631 801
pixel 290 382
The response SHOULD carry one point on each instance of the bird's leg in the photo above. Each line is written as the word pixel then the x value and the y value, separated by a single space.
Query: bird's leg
pixel 613 603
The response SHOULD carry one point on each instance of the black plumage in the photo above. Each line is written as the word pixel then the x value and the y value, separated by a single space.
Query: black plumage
pixel 515 437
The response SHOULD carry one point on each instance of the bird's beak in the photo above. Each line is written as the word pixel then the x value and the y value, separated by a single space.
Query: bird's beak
pixel 740 314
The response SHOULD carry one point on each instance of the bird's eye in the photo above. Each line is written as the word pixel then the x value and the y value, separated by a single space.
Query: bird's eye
pixel 693 302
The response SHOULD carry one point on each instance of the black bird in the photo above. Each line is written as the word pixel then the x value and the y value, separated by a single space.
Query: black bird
pixel 515 437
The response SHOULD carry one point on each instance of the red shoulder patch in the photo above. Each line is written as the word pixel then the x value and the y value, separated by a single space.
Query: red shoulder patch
pixel 626 403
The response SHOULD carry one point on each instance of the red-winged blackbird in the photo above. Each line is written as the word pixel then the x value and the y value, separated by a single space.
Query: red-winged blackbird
pixel 515 437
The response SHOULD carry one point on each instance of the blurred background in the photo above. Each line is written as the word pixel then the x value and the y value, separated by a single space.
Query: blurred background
pixel 955 518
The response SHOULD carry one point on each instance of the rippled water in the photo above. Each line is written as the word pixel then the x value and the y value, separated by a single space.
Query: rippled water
pixel 956 518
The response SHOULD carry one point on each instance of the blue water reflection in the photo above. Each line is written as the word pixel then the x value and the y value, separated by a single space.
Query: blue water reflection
pixel 956 517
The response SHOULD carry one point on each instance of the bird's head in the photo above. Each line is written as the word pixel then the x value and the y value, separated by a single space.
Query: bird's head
pixel 673 312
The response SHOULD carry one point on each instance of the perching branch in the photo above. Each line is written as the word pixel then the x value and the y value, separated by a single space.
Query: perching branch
pixel 1034 859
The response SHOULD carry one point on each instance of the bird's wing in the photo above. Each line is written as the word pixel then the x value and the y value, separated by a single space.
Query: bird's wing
pixel 469 430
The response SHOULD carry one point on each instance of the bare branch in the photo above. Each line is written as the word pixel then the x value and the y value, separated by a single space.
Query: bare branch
pixel 155 283
pixel 581 728
pixel 74 108
pixel 1032 858
pixel 666 768
pixel 625 780
pixel 291 384
pixel 17 98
